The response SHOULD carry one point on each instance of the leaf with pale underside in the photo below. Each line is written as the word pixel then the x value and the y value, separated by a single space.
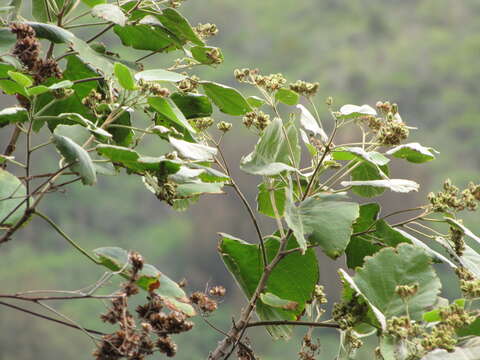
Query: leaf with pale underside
pixel 395 185
pixel 413 152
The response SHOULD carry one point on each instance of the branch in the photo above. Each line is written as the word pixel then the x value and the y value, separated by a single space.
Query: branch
pixel 95 332
pixel 65 236
pixel 294 323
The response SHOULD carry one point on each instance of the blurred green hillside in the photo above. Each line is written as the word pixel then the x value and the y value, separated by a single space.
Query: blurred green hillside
pixel 421 54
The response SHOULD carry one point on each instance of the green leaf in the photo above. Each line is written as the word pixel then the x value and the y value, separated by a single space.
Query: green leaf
pixel 361 246
pixel 395 185
pixel 352 111
pixel 77 133
pixel 201 54
pixel 293 278
pixel 287 96
pixel 192 105
pixel 255 101
pixel 198 188
pixel 13 115
pixel 434 315
pixel 309 123
pixel 367 171
pixel 21 79
pixel 122 136
pixel 159 75
pixel 77 156
pixel 358 153
pixel 7 40
pixel 110 12
pixel 84 51
pixel 134 161
pixel 150 279
pixel 124 76
pixel 413 152
pixel 227 99
pixel 77 70
pixel 463 228
pixel 193 151
pixel 169 112
pixel 86 123
pixel 10 87
pixel 388 268
pixel 274 301
pixel 271 154
pixel 471 330
pixel 264 203
pixel 12 194
pixel 180 26
pixel 467 351
pixel 146 37
pixel 93 3
pixel 329 223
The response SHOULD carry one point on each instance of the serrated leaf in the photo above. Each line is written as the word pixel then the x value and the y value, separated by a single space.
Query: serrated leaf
pixel 12 194
pixel 352 111
pixel 388 268
pixel 124 76
pixel 146 37
pixel 264 203
pixel 396 185
pixel 77 156
pixel 13 115
pixel 329 223
pixel 352 153
pixel 192 105
pixel 21 79
pixel 201 54
pixel 110 12
pixel 293 278
pixel 169 111
pixel 413 152
pixel 287 96
pixel 193 151
pixel 159 75
pixel 134 161
pixel 309 123
pixel 84 51
pixel 255 101
pixel 227 99
pixel 275 301
pixel 271 154
pixel 179 25
pixel 150 279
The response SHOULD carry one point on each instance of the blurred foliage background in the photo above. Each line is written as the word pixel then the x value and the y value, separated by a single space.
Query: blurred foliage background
pixel 422 54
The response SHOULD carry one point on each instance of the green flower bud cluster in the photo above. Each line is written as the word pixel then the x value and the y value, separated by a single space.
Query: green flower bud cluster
pixel 443 335
pixel 456 237
pixel 352 339
pixel 403 328
pixel 406 291
pixel 305 88
pixel 347 314
pixel 452 199
pixel 202 123
pixel 152 88
pixel 188 84
pixel 320 295
pixel 215 56
pixel 270 83
pixel 224 126
pixel 393 130
pixel 206 30
pixel 175 3
pixel 469 285
pixel 258 119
